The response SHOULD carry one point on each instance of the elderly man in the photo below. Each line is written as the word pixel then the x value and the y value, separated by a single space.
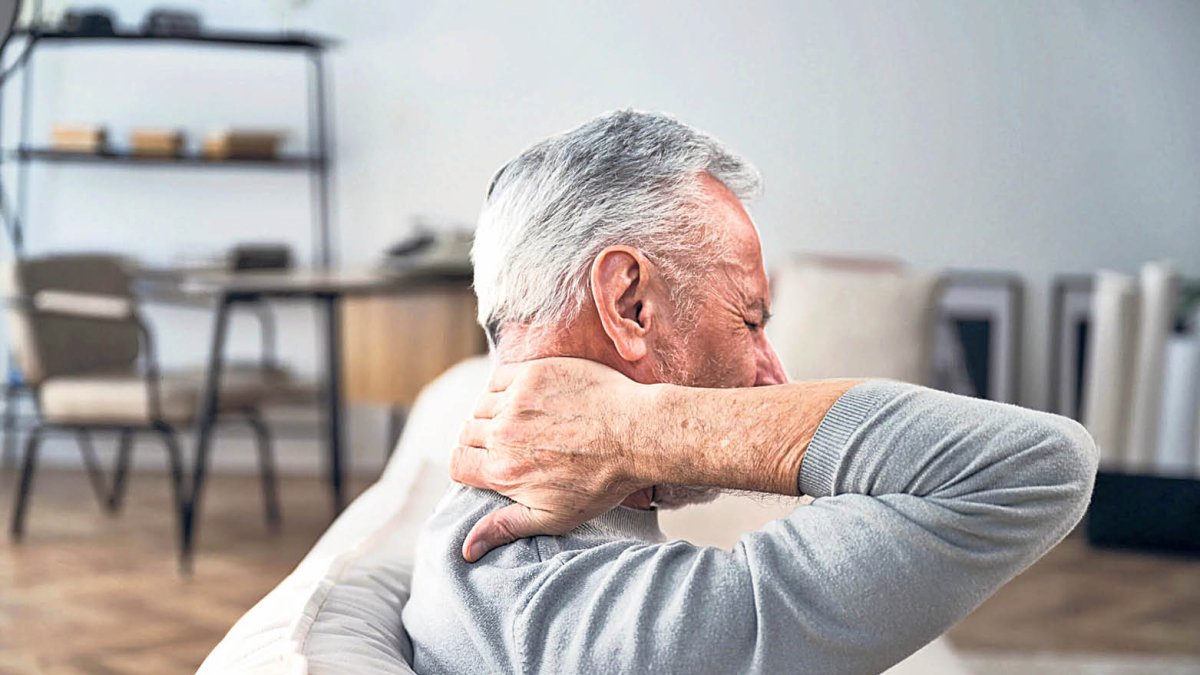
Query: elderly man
pixel 625 245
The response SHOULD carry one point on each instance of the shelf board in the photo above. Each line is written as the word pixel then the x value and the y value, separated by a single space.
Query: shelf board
pixel 52 155
pixel 214 38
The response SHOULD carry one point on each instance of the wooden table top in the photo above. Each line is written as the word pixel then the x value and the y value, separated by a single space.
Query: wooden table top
pixel 164 283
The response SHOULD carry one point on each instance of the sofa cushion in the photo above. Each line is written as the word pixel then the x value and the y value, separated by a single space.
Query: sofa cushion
pixel 358 627
pixel 839 322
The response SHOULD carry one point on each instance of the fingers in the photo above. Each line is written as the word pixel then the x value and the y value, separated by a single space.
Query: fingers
pixel 488 405
pixel 503 376
pixel 466 466
pixel 474 433
pixel 500 527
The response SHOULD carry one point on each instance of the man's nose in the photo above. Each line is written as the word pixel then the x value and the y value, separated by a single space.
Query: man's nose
pixel 769 368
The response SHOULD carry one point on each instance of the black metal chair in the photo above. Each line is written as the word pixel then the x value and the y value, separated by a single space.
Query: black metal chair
pixel 90 361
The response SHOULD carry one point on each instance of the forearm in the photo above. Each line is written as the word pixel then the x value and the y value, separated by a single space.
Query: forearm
pixel 927 503
pixel 746 439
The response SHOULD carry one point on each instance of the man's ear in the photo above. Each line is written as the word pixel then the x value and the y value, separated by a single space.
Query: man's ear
pixel 620 282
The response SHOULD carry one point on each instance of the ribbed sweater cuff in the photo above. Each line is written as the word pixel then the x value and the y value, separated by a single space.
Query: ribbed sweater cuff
pixel 819 468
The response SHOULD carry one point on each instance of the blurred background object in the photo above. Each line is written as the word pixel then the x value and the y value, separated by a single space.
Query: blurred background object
pixel 242 144
pixel 171 22
pixel 156 142
pixel 92 21
pixel 86 138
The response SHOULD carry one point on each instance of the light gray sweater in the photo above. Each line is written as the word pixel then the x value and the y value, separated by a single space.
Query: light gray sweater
pixel 926 503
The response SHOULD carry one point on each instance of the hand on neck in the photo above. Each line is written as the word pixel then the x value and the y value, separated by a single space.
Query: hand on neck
pixel 583 338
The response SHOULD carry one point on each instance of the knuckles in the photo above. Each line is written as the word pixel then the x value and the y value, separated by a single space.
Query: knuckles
pixel 464 437
pixel 523 400
pixel 505 435
pixel 506 474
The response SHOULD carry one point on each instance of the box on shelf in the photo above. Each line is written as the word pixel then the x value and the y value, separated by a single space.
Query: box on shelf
pixel 243 144
pixel 156 142
pixel 89 138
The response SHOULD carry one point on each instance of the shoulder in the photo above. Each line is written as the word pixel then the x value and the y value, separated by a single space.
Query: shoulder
pixel 441 572
pixel 451 520
pixel 460 616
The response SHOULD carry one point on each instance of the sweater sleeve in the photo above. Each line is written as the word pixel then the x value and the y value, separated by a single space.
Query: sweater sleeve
pixel 926 503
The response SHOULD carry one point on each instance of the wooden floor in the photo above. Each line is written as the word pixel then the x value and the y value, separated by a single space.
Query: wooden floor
pixel 1081 599
pixel 88 593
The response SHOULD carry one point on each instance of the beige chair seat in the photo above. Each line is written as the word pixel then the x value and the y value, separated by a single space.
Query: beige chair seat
pixel 123 398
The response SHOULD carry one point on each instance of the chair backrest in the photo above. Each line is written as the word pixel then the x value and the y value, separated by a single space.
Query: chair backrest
pixel 46 344
pixel 844 320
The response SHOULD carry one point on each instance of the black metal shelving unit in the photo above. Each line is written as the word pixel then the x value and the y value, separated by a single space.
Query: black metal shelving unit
pixel 316 161
pixel 320 139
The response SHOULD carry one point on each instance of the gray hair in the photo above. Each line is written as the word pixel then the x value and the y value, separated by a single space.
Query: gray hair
pixel 626 177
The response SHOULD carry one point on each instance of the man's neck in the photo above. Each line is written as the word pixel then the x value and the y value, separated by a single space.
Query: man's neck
pixel 582 338
pixel 520 342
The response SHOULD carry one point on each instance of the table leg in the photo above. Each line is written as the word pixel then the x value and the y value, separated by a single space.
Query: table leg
pixel 205 421
pixel 11 401
pixel 333 396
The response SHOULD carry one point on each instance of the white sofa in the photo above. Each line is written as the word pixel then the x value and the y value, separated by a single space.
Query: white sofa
pixel 339 611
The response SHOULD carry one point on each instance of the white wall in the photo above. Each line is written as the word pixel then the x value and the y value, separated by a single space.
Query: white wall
pixel 1037 137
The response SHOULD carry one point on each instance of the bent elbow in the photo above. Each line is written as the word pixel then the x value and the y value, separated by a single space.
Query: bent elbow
pixel 1052 470
pixel 1081 454
pixel 1073 459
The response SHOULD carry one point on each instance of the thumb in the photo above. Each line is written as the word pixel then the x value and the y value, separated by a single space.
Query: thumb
pixel 500 527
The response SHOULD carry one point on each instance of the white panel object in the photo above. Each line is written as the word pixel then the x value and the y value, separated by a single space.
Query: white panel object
pixel 1180 405
pixel 1159 288
pixel 1110 362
